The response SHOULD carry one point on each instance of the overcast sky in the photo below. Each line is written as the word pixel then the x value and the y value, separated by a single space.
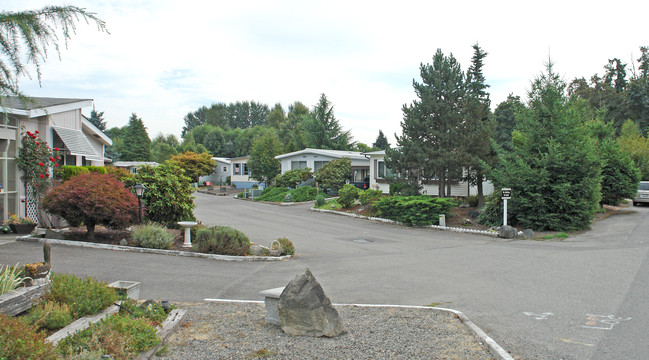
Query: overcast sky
pixel 163 59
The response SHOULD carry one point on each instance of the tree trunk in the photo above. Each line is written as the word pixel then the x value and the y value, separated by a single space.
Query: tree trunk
pixel 479 178
pixel 90 226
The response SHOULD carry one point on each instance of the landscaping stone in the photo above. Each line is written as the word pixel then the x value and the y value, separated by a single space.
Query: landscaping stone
pixel 528 234
pixel 123 242
pixel 54 234
pixel 305 310
pixel 507 232
pixel 255 250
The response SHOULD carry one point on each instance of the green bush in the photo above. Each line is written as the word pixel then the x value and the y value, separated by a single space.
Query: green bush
pixel 413 210
pixel 287 245
pixel 304 193
pixel 68 171
pixel 83 296
pixel 274 194
pixel 320 200
pixel 11 277
pixel 121 336
pixel 154 312
pixel 50 315
pixel 347 195
pixel 369 196
pixel 19 340
pixel 402 188
pixel 293 178
pixel 472 200
pixel 332 175
pixel 152 236
pixel 222 240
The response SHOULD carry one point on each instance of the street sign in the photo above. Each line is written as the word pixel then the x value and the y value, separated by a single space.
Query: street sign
pixel 506 193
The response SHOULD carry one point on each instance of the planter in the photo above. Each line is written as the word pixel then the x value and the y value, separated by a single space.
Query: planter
pixel 130 289
pixel 22 228
pixel 21 299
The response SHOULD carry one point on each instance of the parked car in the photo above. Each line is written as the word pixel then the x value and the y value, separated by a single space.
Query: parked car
pixel 642 196
pixel 363 185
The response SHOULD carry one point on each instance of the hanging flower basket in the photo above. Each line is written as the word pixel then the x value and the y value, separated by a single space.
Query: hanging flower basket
pixel 22 228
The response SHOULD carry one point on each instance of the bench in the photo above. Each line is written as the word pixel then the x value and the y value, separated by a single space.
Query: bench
pixel 271 302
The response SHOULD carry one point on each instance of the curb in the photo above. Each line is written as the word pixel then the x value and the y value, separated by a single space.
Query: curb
pixel 153 251
pixel 387 221
pixel 496 350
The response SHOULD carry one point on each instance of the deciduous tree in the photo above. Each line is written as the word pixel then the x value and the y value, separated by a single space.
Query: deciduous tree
pixel 195 165
pixel 262 164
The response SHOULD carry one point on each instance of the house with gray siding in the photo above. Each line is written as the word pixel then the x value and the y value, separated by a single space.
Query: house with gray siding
pixel 315 159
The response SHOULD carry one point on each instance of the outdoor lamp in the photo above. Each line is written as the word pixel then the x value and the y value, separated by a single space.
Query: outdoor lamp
pixel 139 191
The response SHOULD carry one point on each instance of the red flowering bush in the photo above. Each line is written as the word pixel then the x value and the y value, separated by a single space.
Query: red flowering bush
pixel 36 160
pixel 93 198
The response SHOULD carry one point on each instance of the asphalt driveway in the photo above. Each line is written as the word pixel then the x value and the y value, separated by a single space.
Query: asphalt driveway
pixel 582 298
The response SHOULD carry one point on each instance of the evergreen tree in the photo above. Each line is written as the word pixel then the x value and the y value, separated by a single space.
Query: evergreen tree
pixel 381 142
pixel 136 142
pixel 277 116
pixel 553 168
pixel 322 129
pixel 505 120
pixel 432 126
pixel 478 125
pixel 163 148
pixel 636 145
pixel 97 119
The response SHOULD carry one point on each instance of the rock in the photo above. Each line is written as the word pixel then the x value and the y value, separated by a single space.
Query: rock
pixel 473 214
pixel 123 242
pixel 255 250
pixel 305 310
pixel 528 234
pixel 54 234
pixel 507 232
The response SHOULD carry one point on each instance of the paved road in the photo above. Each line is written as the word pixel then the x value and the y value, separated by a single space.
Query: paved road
pixel 584 298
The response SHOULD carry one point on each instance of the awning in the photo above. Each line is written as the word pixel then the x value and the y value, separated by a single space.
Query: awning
pixel 77 143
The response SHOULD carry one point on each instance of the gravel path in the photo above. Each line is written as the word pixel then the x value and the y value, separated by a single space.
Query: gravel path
pixel 239 331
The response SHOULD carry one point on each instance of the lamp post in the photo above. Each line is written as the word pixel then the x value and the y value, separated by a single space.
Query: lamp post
pixel 139 191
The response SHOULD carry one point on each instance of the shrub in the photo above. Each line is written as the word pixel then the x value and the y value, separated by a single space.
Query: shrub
pixel 320 200
pixel 93 199
pixel 333 174
pixel 153 312
pixel 347 195
pixel 168 195
pixel 222 240
pixel 304 193
pixel 413 210
pixel 402 188
pixel 287 245
pixel 69 171
pixel 19 340
pixel 273 194
pixel 472 200
pixel 50 315
pixel 120 336
pixel 83 296
pixel 10 278
pixel 152 236
pixel 369 196
pixel 293 178
pixel 120 174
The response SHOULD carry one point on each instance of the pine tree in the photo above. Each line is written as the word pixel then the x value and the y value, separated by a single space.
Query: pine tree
pixel 381 142
pixel 432 126
pixel 97 120
pixel 553 168
pixel 136 144
pixel 322 129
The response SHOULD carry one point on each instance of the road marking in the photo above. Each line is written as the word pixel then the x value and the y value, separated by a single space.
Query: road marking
pixel 602 322
pixel 569 341
pixel 543 316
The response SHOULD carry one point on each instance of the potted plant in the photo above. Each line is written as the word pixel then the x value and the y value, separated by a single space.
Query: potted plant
pixel 20 225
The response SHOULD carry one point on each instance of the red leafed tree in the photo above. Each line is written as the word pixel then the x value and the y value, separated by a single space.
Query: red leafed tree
pixel 91 199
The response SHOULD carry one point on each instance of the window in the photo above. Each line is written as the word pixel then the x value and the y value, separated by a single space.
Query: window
pixel 237 169
pixel 245 169
pixel 318 164
pixel 382 171
pixel 225 169
pixel 298 165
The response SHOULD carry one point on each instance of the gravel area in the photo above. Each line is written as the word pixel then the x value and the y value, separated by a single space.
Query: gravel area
pixel 239 331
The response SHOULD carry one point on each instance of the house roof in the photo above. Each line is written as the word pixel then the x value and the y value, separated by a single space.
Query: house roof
pixel 332 153
pixel 93 131
pixel 240 158
pixel 134 163
pixel 220 159
pixel 40 106
pixel 377 152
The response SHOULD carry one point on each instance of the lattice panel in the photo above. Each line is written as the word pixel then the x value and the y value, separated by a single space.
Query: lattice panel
pixel 31 204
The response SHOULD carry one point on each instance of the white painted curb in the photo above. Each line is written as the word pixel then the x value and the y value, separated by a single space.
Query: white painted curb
pixel 495 349
pixel 436 227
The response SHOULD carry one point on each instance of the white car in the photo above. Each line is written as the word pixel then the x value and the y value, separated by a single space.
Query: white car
pixel 642 196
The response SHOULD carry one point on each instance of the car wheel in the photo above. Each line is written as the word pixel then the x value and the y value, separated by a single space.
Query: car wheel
pixel 635 203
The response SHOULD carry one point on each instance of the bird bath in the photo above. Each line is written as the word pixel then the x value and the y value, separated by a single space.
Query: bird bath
pixel 188 235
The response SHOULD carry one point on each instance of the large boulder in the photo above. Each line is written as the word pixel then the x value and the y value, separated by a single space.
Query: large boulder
pixel 507 232
pixel 305 310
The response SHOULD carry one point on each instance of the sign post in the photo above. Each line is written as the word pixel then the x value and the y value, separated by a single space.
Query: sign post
pixel 506 195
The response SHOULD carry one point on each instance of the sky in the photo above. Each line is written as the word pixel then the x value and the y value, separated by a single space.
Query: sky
pixel 164 59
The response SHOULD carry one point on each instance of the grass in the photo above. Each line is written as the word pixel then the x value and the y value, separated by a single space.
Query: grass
pixel 330 205
pixel 560 235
